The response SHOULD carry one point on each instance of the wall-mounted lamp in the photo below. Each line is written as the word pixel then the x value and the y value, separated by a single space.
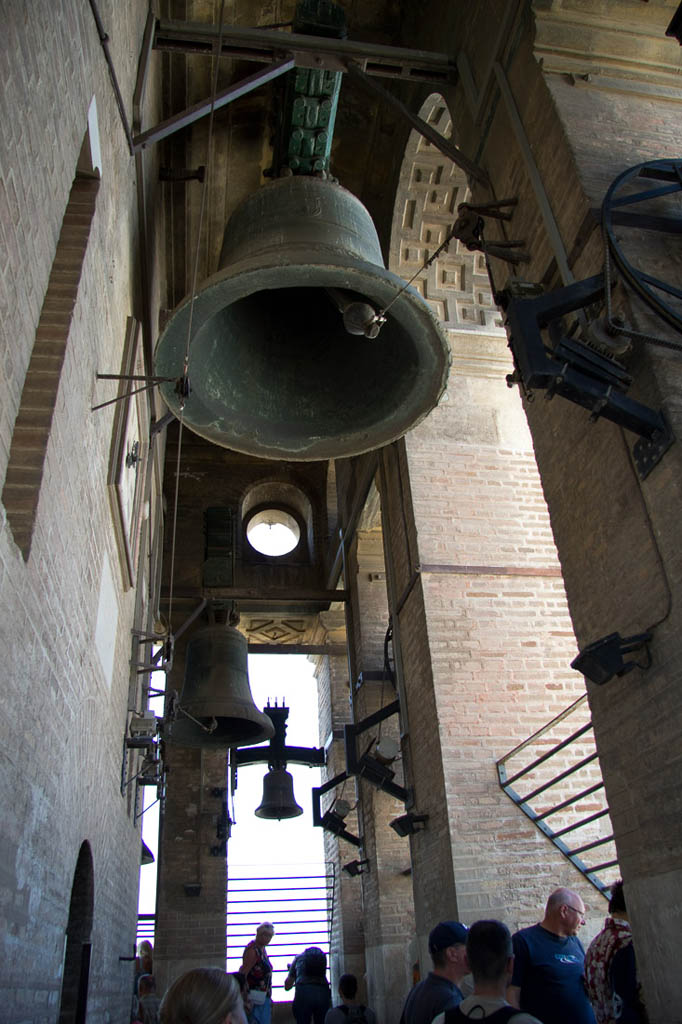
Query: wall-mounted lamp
pixel 333 819
pixel 409 824
pixel 356 867
pixel 333 822
pixel 143 730
pixel 603 659
pixel 374 769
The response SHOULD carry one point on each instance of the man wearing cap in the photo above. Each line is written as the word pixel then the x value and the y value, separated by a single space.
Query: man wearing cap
pixel 439 990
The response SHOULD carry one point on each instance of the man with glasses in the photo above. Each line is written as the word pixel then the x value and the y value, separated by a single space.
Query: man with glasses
pixel 548 979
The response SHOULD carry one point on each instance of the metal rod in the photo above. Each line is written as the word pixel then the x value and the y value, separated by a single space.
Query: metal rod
pixel 134 376
pixel 581 822
pixel 591 846
pixel 604 866
pixel 291 899
pixel 122 398
pixel 277 878
pixel 256 594
pixel 267 888
pixel 261 44
pixel 334 650
pixel 104 41
pixel 199 110
pixel 560 778
pixel 143 69
pixel 550 753
pixel 278 924
pixel 551 226
pixel 545 728
pixel 435 138
pixel 571 800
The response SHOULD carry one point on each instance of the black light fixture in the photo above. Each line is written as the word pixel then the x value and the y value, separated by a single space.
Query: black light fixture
pixel 333 819
pixel 373 768
pixel 333 822
pixel 409 824
pixel 356 867
pixel 601 660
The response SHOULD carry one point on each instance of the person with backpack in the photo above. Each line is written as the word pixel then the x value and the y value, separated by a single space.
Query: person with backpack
pixel 349 1011
pixel 308 972
pixel 491 960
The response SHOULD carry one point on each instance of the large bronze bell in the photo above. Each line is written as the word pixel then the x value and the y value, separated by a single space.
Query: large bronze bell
pixel 278 796
pixel 216 709
pixel 285 360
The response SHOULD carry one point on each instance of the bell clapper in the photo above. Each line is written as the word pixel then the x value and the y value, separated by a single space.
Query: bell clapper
pixel 358 317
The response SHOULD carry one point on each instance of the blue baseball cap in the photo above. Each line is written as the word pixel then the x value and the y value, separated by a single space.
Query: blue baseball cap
pixel 446 934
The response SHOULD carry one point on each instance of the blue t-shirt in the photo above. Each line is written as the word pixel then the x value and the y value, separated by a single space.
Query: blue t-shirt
pixel 548 969
pixel 428 998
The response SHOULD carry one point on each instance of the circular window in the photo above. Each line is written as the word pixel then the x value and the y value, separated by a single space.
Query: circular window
pixel 273 532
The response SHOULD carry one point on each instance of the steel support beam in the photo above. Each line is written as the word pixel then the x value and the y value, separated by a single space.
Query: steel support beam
pixel 438 69
pixel 435 138
pixel 333 650
pixel 199 110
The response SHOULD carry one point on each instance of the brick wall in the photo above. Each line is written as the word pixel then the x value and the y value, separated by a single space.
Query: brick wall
pixel 387 892
pixel 604 98
pixel 63 715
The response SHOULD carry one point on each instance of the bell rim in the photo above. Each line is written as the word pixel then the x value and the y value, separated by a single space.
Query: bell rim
pixel 377 283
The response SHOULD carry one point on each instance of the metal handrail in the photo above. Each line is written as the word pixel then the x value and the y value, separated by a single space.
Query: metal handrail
pixel 539 815
pixel 315 894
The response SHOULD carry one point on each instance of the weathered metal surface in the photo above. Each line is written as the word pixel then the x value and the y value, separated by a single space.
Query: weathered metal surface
pixel 216 709
pixel 273 371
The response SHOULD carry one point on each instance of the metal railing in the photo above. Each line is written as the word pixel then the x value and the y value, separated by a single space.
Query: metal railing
pixel 305 915
pixel 301 908
pixel 558 769
pixel 146 927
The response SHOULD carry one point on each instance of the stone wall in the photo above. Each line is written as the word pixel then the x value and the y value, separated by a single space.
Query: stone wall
pixel 556 104
pixel 67 611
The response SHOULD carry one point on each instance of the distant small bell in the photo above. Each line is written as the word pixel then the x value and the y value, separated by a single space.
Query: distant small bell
pixel 216 709
pixel 278 796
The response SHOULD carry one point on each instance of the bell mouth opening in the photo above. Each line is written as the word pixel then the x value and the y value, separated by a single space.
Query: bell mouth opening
pixel 283 359
pixel 275 371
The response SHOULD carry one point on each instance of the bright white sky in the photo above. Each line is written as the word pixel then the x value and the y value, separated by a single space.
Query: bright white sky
pixel 260 848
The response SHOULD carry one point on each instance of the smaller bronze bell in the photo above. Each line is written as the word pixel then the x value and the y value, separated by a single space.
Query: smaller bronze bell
pixel 216 709
pixel 278 796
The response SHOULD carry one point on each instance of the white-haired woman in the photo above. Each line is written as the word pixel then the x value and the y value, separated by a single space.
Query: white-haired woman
pixel 257 970
pixel 204 995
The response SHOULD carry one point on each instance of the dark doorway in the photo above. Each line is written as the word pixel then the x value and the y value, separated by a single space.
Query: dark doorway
pixel 76 974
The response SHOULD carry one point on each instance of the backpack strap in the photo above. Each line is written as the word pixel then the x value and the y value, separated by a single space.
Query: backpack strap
pixel 454 1015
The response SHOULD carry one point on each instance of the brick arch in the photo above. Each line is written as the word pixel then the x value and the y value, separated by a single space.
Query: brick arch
pixel 430 187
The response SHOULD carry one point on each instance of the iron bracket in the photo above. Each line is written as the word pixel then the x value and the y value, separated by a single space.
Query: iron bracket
pixel 330 821
pixel 579 375
pixel 312 51
pixel 370 768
